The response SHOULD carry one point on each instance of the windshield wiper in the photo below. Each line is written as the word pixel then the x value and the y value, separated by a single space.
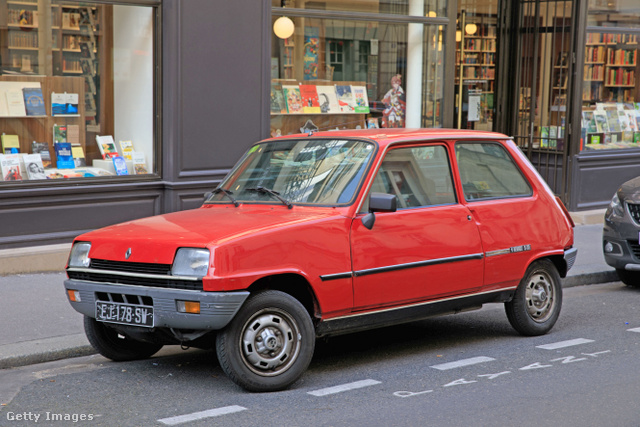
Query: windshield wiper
pixel 272 193
pixel 227 193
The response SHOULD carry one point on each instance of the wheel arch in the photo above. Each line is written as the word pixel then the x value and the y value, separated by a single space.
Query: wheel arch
pixel 292 284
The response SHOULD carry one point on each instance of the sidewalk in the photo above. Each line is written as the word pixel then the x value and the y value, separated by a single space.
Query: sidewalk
pixel 39 325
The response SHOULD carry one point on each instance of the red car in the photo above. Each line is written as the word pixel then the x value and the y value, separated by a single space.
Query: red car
pixel 325 234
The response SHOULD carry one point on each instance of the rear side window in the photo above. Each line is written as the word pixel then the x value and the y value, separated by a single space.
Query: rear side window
pixel 487 171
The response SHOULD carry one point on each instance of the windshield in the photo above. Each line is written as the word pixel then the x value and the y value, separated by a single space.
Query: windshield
pixel 309 171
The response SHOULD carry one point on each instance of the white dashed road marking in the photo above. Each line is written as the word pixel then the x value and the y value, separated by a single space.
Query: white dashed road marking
pixel 463 362
pixel 343 387
pixel 634 330
pixel 563 344
pixel 172 421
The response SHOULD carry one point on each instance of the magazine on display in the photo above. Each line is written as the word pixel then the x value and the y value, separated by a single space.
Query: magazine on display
pixel 33 101
pixel 277 104
pixel 10 166
pixel 127 149
pixel 328 100
pixel 361 99
pixel 64 156
pixel 139 163
pixel 42 148
pixel 10 144
pixel 78 155
pixel 309 96
pixel 15 103
pixel 34 166
pixel 345 99
pixel 293 99
pixel 120 165
pixel 107 146
pixel 59 133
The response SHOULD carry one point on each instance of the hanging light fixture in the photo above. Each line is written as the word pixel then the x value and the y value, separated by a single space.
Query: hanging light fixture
pixel 471 28
pixel 283 27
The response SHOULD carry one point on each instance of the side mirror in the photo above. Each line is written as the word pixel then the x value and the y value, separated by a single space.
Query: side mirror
pixel 379 202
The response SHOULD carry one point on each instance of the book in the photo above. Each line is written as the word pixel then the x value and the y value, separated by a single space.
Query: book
pixel 107 146
pixel 42 148
pixel 373 123
pixel 63 155
pixel 309 96
pixel 120 165
pixel 33 101
pixel 600 117
pixel 613 120
pixel 139 163
pixel 361 99
pixel 345 99
pixel 78 155
pixel 10 144
pixel 544 137
pixel 589 122
pixel 73 134
pixel 293 99
pixel 10 165
pixel 59 133
pixel 64 104
pixel 328 100
pixel 277 104
pixel 34 166
pixel 127 149
pixel 15 103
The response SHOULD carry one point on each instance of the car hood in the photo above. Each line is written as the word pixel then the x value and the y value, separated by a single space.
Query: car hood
pixel 631 190
pixel 156 239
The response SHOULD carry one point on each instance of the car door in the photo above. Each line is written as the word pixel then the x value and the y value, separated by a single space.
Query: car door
pixel 429 248
pixel 504 207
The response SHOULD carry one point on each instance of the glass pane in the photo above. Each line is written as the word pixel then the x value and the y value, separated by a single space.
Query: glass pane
pixel 431 8
pixel 325 172
pixel 607 13
pixel 610 92
pixel 76 91
pixel 347 74
pixel 487 171
pixel 476 64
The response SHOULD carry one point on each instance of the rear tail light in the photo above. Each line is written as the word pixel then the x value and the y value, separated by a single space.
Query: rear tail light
pixel 566 212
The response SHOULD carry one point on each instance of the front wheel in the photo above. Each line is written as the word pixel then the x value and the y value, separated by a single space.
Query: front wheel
pixel 115 346
pixel 535 307
pixel 269 344
pixel 629 278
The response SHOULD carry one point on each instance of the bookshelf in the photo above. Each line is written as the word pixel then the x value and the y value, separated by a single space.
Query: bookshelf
pixel 611 63
pixel 287 58
pixel 476 66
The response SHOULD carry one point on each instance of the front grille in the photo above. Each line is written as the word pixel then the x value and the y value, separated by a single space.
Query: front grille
pixel 135 268
pixel 635 248
pixel 125 299
pixel 131 267
pixel 634 211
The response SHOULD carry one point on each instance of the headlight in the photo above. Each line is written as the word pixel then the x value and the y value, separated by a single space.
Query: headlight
pixel 615 207
pixel 191 262
pixel 79 256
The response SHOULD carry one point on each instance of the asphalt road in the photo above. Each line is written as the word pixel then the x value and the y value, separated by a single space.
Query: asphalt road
pixel 469 369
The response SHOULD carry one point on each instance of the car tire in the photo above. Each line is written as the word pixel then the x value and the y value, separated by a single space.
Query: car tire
pixel 536 305
pixel 629 278
pixel 113 345
pixel 269 343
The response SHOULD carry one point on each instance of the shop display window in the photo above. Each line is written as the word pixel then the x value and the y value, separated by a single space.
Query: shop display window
pixel 611 92
pixel 392 7
pixel 329 74
pixel 76 91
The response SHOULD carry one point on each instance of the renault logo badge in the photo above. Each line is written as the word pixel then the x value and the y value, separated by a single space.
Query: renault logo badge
pixel 127 254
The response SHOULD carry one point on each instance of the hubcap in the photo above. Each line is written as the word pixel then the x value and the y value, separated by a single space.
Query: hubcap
pixel 270 342
pixel 540 297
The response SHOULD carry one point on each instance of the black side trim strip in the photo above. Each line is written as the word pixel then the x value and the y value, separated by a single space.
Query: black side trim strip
pixel 418 264
pixel 397 315
pixel 336 276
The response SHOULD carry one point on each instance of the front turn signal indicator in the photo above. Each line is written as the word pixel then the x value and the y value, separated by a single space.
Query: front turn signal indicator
pixel 192 307
pixel 74 296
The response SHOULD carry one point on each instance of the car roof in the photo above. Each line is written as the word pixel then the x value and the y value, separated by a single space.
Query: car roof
pixel 388 136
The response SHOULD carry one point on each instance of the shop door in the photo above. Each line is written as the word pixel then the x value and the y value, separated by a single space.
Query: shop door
pixel 544 64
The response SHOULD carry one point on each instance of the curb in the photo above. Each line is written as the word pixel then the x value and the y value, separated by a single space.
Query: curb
pixel 44 350
pixel 590 279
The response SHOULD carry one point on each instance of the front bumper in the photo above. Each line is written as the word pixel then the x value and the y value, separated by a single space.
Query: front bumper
pixel 620 245
pixel 216 308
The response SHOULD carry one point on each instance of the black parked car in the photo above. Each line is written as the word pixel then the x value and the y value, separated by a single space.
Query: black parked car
pixel 620 238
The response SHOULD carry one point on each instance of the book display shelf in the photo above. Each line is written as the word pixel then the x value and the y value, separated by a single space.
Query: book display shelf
pixel 476 68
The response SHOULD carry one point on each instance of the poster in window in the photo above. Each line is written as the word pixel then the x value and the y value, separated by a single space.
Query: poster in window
pixel 310 58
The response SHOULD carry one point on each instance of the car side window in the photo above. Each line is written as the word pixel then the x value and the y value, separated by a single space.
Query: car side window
pixel 418 176
pixel 487 171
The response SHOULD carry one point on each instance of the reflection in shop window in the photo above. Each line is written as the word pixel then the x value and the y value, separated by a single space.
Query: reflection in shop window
pixel 76 90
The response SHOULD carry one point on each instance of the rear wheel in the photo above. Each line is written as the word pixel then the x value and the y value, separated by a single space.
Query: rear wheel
pixel 114 345
pixel 629 278
pixel 269 343
pixel 535 307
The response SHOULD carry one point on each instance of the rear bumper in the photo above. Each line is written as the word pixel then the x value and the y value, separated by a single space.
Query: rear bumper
pixel 216 308
pixel 570 257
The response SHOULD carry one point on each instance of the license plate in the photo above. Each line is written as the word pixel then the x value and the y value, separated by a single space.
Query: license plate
pixel 124 314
